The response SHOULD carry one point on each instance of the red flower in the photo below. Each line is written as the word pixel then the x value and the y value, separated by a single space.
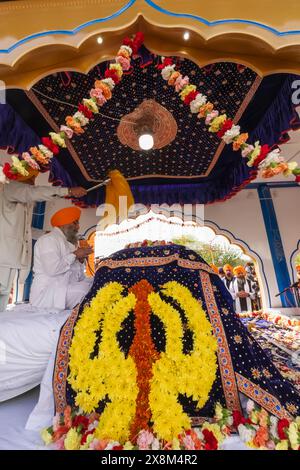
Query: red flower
pixel 190 97
pixel 85 110
pixel 112 74
pixel 127 42
pixel 227 125
pixel 50 145
pixel 211 442
pixel 265 149
pixel 80 421
pixel 134 43
pixel 84 437
pixel 297 179
pixel 238 418
pixel 61 431
pixel 139 38
pixel 8 173
pixel 117 448
pixel 282 425
pixel 166 61
pixel 137 42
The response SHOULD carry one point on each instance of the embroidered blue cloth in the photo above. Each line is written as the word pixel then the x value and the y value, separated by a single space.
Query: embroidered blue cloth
pixel 242 364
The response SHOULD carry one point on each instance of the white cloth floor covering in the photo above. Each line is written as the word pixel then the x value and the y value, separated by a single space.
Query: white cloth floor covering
pixel 28 336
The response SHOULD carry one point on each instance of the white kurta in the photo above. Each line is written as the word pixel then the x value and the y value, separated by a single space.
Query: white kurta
pixel 234 290
pixel 16 205
pixel 59 281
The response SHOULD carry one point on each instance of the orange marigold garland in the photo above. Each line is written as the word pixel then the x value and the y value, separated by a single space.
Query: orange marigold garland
pixel 144 354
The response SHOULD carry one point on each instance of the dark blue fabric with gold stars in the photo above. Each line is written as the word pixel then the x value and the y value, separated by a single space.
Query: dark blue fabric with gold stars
pixel 99 149
pixel 260 381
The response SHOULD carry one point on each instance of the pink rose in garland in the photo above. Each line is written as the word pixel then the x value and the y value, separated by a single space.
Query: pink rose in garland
pixel 125 63
pixel 144 440
pixel 97 94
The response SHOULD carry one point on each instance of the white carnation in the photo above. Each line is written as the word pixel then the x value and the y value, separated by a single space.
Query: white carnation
pixel 250 406
pixel 109 82
pixel 229 421
pixel 272 157
pixel 231 134
pixel 196 104
pixel 93 426
pixel 199 434
pixel 112 444
pixel 126 48
pixel 155 444
pixel 3 178
pixel 246 434
pixel 167 71
pixel 80 117
pixel 45 151
pixel 273 427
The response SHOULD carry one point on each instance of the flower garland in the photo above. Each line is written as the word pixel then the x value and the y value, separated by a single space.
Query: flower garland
pixel 269 161
pixel 266 432
pixel 192 374
pixel 77 431
pixel 109 373
pixel 259 430
pixel 278 319
pixel 145 243
pixel 144 355
pixel 40 156
pixel 144 387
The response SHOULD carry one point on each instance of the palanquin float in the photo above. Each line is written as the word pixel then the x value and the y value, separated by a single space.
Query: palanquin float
pixel 155 346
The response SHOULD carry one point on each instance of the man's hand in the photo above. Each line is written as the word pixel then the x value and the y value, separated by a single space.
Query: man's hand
pixel 82 253
pixel 77 192
pixel 243 294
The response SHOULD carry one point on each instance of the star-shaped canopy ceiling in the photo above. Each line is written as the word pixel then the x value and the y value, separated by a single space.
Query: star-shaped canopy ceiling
pixel 195 166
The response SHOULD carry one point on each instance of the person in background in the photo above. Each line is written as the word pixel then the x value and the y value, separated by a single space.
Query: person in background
pixel 241 290
pixel 252 277
pixel 228 278
pixel 17 200
pixel 221 274
pixel 59 281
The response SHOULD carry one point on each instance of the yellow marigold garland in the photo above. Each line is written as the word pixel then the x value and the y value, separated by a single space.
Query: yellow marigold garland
pixel 174 373
pixel 109 373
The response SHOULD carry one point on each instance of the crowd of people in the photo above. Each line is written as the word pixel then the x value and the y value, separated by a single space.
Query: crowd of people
pixel 243 285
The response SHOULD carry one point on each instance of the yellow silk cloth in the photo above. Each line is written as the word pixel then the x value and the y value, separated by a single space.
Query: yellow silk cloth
pixel 116 188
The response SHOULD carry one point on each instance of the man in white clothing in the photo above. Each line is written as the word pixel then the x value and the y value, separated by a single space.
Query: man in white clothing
pixel 241 290
pixel 17 200
pixel 59 282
